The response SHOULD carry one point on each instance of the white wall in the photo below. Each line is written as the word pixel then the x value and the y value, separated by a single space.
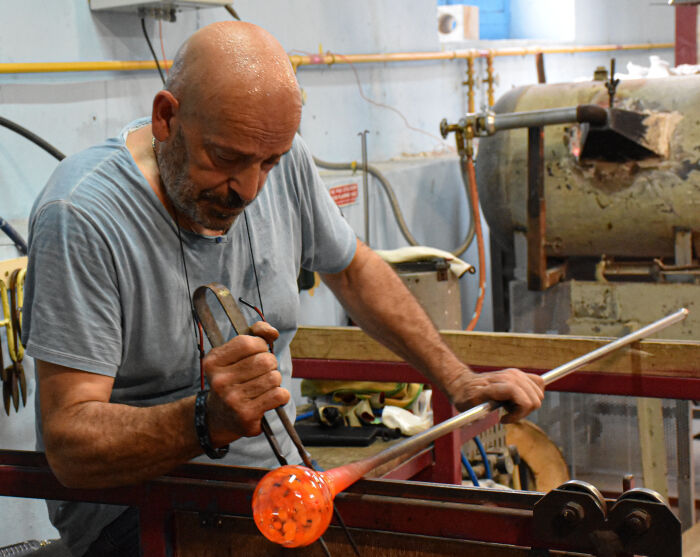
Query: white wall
pixel 76 110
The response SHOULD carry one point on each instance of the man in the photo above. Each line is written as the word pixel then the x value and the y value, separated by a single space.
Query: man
pixel 215 187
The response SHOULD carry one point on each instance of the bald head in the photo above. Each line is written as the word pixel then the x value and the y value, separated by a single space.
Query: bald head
pixel 229 112
pixel 229 63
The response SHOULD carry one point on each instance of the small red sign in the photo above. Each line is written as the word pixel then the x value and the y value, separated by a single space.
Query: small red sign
pixel 345 194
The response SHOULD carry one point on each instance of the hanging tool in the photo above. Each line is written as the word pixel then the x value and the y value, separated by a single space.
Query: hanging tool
pixel 14 383
pixel 240 326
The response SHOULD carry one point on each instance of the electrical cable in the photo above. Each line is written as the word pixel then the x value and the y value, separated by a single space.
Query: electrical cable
pixel 24 132
pixel 470 470
pixel 476 221
pixel 153 52
pixel 229 9
pixel 484 457
pixel 162 47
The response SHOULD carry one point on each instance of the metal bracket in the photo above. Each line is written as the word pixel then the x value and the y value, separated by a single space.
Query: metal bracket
pixel 575 517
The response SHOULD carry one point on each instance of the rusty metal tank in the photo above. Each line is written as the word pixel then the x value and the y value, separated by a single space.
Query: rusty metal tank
pixel 611 202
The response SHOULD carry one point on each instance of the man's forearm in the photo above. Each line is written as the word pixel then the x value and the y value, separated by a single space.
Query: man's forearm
pixel 377 300
pixel 116 444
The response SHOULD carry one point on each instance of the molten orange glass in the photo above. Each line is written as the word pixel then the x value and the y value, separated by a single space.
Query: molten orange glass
pixel 293 505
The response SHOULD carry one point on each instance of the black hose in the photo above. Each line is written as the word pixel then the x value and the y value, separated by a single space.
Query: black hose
pixel 153 52
pixel 394 202
pixel 19 242
pixel 24 132
pixel 5 226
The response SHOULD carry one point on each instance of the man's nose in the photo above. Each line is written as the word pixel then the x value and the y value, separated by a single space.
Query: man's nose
pixel 247 182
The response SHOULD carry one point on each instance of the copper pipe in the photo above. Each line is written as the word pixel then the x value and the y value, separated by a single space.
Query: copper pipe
pixel 329 59
pixel 539 63
pixel 490 78
pixel 470 85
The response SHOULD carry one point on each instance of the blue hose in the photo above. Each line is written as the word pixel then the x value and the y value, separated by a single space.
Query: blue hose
pixel 470 470
pixel 304 416
pixel 487 464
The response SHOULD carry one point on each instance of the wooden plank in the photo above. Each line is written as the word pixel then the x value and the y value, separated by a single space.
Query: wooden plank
pixel 652 442
pixel 664 358
pixel 9 265
pixel 691 542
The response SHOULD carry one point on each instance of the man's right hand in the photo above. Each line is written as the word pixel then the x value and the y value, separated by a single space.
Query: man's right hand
pixel 245 383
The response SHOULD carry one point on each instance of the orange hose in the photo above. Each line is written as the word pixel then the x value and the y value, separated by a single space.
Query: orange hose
pixel 476 215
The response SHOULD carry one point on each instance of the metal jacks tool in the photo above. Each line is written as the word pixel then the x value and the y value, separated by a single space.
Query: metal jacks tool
pixel 14 383
pixel 240 326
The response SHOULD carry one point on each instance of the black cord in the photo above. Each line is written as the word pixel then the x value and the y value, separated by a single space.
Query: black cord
pixel 24 132
pixel 150 46
pixel 252 259
pixel 229 9
pixel 187 280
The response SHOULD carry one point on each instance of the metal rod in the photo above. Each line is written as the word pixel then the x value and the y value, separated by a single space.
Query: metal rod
pixel 482 410
pixel 365 182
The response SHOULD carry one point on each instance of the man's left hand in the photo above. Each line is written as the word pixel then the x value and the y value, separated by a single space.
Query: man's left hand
pixel 521 392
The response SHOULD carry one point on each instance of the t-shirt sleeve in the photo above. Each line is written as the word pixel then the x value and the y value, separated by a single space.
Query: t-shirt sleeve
pixel 328 241
pixel 72 313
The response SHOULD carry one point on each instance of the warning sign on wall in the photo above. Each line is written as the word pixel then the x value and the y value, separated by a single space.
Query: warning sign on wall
pixel 344 194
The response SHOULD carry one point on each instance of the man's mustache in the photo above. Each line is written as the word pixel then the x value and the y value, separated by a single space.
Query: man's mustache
pixel 231 201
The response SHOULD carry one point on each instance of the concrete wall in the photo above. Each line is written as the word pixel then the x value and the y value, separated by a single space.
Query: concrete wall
pixel 76 110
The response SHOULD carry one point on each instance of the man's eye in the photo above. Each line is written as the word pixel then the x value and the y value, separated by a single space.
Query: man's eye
pixel 228 159
pixel 271 163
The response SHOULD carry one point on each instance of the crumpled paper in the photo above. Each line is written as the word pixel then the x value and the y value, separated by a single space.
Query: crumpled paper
pixel 410 423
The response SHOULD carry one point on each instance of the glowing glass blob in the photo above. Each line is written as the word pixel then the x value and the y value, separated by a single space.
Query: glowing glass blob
pixel 293 506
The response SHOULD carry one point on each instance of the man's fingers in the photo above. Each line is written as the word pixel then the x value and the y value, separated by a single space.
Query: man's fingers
pixel 235 350
pixel 522 392
pixel 236 394
pixel 265 331
pixel 247 368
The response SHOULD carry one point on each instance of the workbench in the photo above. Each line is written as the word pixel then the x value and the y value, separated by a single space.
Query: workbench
pixel 204 509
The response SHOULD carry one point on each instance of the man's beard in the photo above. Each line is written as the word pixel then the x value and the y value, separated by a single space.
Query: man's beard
pixel 173 163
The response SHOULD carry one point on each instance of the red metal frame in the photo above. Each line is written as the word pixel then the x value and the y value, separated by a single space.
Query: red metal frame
pixel 472 514
pixel 686 34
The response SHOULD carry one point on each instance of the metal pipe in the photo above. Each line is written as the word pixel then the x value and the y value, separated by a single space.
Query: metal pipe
pixel 327 59
pixel 470 82
pixel 365 182
pixel 549 116
pixel 482 410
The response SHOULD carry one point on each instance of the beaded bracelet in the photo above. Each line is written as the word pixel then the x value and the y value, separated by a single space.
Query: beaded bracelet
pixel 202 429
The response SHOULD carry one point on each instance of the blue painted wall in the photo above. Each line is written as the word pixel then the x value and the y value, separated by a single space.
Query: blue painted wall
pixel 494 16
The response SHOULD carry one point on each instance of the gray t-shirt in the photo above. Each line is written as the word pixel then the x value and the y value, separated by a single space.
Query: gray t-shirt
pixel 106 292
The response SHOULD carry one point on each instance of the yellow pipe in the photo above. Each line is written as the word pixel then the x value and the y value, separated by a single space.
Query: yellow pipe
pixel 328 59
pixel 470 85
pixel 106 66
pixel 490 79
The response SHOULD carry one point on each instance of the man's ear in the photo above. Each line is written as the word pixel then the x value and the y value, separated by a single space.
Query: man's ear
pixel 165 108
